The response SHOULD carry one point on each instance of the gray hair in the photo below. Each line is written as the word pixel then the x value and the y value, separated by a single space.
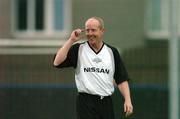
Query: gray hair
pixel 100 20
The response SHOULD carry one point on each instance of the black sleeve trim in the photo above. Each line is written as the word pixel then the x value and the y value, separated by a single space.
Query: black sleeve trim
pixel 72 57
pixel 120 74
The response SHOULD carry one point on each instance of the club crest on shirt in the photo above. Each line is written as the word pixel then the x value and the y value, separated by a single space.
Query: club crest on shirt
pixel 97 60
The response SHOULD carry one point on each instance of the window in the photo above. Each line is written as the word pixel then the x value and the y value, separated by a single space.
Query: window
pixel 41 18
pixel 157 19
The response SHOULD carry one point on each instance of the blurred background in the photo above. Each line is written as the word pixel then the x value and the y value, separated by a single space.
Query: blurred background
pixel 31 31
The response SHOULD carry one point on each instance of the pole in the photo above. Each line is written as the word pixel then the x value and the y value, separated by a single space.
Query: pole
pixel 173 62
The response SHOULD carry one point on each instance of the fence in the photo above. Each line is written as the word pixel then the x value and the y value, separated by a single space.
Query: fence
pixel 31 88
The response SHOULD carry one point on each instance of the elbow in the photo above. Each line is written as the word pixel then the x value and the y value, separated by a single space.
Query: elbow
pixel 55 61
pixel 58 61
pixel 55 64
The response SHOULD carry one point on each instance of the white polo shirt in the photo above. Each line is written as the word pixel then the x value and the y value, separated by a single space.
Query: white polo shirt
pixel 95 71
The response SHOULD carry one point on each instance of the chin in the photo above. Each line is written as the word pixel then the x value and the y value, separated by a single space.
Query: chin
pixel 92 42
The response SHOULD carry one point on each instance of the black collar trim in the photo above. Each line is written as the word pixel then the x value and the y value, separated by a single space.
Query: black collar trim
pixel 94 50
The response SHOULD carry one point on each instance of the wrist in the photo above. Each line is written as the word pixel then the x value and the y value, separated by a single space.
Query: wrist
pixel 71 40
pixel 127 100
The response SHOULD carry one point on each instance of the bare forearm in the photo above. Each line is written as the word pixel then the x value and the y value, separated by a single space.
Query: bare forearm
pixel 125 91
pixel 62 52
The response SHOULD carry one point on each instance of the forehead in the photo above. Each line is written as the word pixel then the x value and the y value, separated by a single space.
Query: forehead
pixel 92 23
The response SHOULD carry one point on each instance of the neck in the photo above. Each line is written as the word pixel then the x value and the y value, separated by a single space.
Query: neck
pixel 96 46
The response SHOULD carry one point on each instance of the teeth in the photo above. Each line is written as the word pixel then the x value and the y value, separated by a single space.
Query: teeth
pixel 91 37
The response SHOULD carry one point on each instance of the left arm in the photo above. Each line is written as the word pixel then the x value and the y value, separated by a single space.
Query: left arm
pixel 125 91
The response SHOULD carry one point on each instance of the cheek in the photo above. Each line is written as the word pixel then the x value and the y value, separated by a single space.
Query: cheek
pixel 97 34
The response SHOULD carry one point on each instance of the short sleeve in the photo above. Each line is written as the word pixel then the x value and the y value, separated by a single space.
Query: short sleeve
pixel 120 73
pixel 72 56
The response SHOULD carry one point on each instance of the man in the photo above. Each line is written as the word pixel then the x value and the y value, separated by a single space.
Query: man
pixel 96 65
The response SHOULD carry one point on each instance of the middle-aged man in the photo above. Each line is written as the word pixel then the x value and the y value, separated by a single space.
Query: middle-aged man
pixel 97 66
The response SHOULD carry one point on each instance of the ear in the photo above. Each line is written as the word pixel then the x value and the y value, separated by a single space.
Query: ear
pixel 103 30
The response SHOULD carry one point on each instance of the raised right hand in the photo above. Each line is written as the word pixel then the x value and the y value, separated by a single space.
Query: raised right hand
pixel 76 35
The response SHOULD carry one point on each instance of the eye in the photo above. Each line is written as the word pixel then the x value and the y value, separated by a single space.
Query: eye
pixel 87 30
pixel 93 30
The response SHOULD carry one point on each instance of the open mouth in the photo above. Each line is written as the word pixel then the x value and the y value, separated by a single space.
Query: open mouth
pixel 91 37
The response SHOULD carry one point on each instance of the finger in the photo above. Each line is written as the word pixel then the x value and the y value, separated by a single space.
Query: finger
pixel 128 114
pixel 129 111
pixel 78 32
pixel 82 30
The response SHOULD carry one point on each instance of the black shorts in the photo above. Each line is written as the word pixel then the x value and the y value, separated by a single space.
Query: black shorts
pixel 94 107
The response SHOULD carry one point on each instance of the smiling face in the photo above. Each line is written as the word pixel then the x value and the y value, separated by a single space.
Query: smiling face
pixel 94 31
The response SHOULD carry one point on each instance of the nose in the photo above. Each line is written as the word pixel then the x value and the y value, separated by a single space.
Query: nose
pixel 89 32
